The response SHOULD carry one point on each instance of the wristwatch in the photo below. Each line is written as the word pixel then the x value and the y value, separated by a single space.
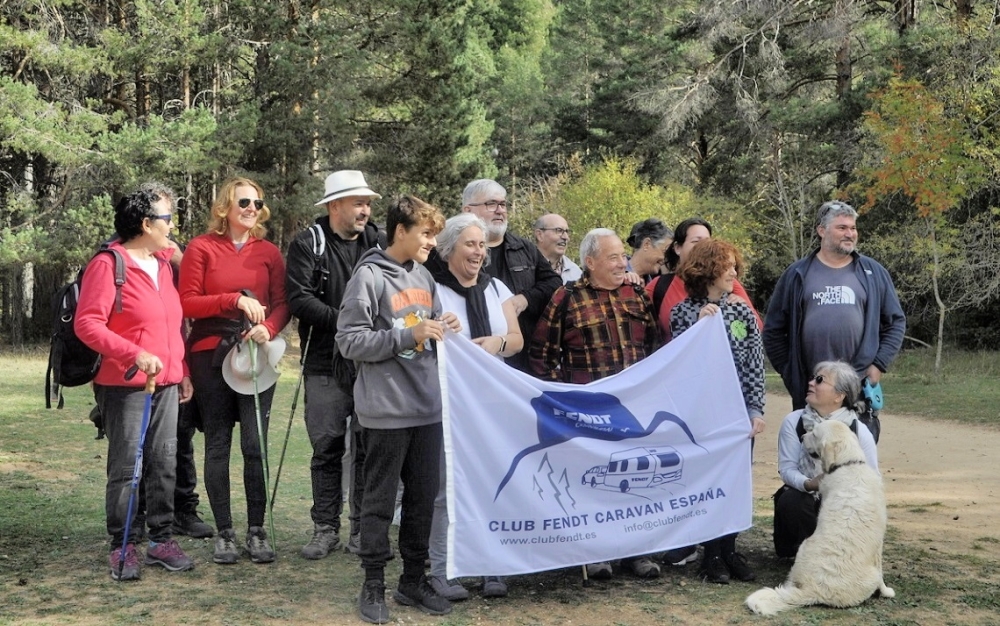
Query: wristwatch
pixel 503 344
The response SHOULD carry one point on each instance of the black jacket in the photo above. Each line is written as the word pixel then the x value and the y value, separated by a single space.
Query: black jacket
pixel 302 284
pixel 530 274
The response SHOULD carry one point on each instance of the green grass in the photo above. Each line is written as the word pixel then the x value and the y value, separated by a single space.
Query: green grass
pixel 966 391
pixel 53 551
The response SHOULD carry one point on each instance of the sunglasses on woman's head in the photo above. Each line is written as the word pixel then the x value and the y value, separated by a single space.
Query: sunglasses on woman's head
pixel 245 202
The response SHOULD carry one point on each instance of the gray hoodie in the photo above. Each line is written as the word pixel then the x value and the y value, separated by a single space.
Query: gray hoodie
pixel 397 385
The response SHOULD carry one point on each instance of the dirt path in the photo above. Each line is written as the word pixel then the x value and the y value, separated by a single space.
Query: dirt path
pixel 941 478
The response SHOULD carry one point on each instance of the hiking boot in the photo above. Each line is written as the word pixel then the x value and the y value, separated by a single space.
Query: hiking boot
pixel 713 570
pixel 371 603
pixel 599 571
pixel 421 595
pixel 679 557
pixel 225 548
pixel 129 569
pixel 257 546
pixel 325 538
pixel 353 545
pixel 738 568
pixel 169 555
pixel 494 587
pixel 642 566
pixel 191 525
pixel 448 589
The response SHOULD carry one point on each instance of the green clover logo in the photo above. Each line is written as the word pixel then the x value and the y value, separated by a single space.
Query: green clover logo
pixel 738 329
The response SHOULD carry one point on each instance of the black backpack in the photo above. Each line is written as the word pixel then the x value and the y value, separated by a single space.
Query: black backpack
pixel 71 362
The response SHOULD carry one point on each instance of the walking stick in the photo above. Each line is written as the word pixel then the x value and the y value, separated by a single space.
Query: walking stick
pixel 288 431
pixel 137 469
pixel 260 439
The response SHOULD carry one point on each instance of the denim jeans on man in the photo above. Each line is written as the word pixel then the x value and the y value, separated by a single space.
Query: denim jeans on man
pixel 221 409
pixel 122 408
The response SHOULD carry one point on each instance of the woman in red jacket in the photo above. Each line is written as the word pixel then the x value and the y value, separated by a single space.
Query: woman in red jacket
pixel 144 332
pixel 229 276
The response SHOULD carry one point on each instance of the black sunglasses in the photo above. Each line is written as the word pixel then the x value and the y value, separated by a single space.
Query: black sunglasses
pixel 818 379
pixel 245 202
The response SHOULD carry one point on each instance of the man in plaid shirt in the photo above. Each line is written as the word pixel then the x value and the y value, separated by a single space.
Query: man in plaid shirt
pixel 598 326
pixel 594 328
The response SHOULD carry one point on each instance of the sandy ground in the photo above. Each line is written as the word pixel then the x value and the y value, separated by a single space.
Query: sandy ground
pixel 941 478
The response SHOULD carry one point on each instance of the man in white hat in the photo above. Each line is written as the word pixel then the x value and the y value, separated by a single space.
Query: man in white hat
pixel 320 262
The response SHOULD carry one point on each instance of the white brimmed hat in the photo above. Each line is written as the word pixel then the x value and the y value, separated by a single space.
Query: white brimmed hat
pixel 346 183
pixel 238 374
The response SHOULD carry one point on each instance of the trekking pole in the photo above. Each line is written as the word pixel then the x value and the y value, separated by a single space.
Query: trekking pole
pixel 288 431
pixel 586 580
pixel 137 469
pixel 260 439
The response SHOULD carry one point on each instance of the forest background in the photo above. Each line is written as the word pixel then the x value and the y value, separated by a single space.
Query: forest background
pixel 749 113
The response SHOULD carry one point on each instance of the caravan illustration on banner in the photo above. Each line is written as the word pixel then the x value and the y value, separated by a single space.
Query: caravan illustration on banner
pixel 637 468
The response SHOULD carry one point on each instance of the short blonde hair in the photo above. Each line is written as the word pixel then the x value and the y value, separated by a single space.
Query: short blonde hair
pixel 217 222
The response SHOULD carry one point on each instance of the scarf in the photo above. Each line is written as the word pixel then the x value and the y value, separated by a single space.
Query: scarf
pixel 814 467
pixel 474 296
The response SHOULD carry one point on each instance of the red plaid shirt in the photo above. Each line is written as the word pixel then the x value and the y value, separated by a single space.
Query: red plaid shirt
pixel 597 333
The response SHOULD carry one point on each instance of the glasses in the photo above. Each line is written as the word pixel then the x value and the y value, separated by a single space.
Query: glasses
pixel 492 205
pixel 818 379
pixel 559 231
pixel 168 218
pixel 245 202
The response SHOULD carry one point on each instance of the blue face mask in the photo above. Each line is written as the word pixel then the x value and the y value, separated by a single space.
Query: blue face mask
pixel 873 394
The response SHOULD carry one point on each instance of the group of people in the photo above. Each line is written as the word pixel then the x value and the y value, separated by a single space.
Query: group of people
pixel 371 306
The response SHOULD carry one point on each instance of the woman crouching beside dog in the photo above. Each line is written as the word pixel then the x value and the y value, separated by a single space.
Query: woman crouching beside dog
pixel 831 395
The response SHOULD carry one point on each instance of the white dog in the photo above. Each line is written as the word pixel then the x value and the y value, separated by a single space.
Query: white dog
pixel 840 565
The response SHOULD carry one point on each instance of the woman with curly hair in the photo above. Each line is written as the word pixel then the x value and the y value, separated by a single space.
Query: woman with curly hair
pixel 709 273
pixel 232 276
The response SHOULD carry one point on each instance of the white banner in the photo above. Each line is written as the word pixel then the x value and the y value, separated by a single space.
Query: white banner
pixel 548 475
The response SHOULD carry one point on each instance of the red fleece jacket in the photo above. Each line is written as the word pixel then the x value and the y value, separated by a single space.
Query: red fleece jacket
pixel 213 272
pixel 150 320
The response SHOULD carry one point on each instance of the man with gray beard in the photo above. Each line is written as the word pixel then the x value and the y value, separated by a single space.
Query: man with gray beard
pixel 514 260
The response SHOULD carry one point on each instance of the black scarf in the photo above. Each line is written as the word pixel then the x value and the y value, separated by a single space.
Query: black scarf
pixel 475 296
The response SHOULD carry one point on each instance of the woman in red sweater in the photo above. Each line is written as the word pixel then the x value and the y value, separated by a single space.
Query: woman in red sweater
pixel 230 275
pixel 143 332
pixel 686 235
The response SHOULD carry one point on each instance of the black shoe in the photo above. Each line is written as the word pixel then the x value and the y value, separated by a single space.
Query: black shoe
pixel 191 525
pixel 371 603
pixel 713 570
pixel 738 568
pixel 422 596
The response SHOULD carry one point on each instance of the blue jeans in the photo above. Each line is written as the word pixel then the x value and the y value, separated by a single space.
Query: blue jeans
pixel 327 412
pixel 221 409
pixel 122 408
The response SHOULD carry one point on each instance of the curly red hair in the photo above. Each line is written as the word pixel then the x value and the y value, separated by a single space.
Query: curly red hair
pixel 708 260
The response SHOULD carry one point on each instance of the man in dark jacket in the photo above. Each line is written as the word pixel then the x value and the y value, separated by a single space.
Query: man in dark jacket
pixel 514 260
pixel 833 305
pixel 320 262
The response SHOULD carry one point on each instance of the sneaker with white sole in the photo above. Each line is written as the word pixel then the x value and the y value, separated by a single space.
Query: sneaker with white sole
pixel 679 557
pixel 448 589
pixel 169 556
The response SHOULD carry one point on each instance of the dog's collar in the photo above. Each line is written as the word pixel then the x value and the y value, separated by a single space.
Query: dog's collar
pixel 837 466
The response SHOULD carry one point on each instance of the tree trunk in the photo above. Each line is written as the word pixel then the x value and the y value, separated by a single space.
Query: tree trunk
pixel 942 309
pixel 845 72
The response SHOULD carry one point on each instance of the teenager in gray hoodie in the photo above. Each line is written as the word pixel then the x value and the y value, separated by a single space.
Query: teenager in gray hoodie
pixel 390 318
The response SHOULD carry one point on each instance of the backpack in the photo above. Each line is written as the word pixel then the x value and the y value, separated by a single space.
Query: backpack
pixel 345 372
pixel 71 362
pixel 659 292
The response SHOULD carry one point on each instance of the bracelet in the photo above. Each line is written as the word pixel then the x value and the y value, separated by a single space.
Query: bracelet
pixel 503 344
